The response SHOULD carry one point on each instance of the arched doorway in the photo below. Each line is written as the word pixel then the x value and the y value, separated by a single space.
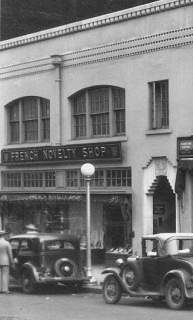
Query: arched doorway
pixel 163 207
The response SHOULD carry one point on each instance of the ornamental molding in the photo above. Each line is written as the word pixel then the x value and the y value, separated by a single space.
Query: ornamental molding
pixel 96 22
pixel 131 47
pixel 111 51
pixel 160 164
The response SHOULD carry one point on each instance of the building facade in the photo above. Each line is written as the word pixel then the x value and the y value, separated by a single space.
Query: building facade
pixel 116 91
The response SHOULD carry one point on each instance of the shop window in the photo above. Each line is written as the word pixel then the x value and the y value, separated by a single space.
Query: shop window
pixel 159 104
pixel 29 120
pixel 28 179
pixel 98 112
pixel 98 179
pixel 33 179
pixel 11 180
pixel 119 177
pixel 72 178
pixel 50 179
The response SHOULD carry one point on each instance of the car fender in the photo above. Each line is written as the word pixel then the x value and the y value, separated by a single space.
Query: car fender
pixel 30 267
pixel 116 273
pixel 180 274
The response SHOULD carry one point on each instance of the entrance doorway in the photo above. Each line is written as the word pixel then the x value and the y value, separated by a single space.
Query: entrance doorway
pixel 114 231
pixel 164 207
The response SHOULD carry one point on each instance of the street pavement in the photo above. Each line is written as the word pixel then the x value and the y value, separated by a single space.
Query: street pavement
pixel 57 303
pixel 60 303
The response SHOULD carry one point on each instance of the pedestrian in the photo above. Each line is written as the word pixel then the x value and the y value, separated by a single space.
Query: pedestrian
pixel 6 259
pixel 31 229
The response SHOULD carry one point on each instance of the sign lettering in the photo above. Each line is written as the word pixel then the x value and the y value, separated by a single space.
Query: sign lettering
pixel 99 151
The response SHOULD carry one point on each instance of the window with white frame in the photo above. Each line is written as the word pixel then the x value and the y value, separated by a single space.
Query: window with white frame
pixel 72 178
pixel 98 112
pixel 102 178
pixel 119 177
pixel 29 179
pixel 12 180
pixel 159 102
pixel 29 120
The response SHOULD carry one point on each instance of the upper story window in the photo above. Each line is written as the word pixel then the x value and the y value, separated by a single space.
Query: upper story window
pixel 29 120
pixel 159 102
pixel 98 112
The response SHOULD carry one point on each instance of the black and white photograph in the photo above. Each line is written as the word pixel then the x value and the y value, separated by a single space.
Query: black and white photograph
pixel 96 159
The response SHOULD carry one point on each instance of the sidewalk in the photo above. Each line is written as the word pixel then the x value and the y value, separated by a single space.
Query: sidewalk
pixel 98 278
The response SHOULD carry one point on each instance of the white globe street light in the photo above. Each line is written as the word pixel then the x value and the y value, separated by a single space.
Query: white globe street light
pixel 87 171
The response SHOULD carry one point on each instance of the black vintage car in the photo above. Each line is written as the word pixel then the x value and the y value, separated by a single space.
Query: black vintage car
pixel 164 271
pixel 46 259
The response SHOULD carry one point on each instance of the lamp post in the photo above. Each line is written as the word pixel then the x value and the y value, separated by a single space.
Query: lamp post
pixel 87 171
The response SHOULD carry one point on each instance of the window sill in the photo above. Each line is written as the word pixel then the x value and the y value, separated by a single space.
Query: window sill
pixel 101 139
pixel 158 131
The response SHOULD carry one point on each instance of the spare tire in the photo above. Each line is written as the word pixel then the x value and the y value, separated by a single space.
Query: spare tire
pixel 65 268
pixel 131 276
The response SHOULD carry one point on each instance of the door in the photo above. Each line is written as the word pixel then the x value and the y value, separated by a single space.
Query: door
pixel 113 227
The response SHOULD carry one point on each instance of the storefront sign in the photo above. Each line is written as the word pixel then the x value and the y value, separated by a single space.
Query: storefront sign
pixel 185 147
pixel 86 152
pixel 39 196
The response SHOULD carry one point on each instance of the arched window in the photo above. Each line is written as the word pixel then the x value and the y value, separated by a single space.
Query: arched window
pixel 98 112
pixel 28 120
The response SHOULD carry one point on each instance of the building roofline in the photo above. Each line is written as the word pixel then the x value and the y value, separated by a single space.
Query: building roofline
pixel 96 22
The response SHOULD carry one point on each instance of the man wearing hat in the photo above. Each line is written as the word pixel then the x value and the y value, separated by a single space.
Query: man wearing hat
pixel 31 229
pixel 6 259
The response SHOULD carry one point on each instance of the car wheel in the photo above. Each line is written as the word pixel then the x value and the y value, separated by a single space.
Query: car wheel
pixel 65 268
pixel 111 290
pixel 131 277
pixel 28 283
pixel 175 296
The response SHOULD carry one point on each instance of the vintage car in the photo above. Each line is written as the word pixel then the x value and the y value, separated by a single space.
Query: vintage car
pixel 46 259
pixel 164 271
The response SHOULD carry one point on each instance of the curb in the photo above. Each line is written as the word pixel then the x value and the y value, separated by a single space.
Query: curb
pixel 91 289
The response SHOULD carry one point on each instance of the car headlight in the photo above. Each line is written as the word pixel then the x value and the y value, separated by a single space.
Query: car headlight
pixel 119 262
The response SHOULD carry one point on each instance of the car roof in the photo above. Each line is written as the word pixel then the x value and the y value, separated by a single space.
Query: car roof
pixel 47 237
pixel 165 236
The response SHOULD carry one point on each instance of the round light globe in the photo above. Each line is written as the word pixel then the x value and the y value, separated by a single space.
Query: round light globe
pixel 87 170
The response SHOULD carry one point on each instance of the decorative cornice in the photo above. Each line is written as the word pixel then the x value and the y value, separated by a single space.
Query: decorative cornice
pixel 132 47
pixel 112 18
pixel 111 51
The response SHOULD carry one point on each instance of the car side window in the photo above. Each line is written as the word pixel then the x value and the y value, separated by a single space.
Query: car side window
pixel 25 245
pixel 58 244
pixel 151 248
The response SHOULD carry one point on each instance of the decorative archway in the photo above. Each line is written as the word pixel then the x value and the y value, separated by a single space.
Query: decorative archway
pixel 159 209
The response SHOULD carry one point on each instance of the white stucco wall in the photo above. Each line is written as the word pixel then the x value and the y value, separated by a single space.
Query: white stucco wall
pixel 128 54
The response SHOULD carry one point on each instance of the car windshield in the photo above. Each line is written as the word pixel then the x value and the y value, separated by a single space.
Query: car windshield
pixel 58 244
